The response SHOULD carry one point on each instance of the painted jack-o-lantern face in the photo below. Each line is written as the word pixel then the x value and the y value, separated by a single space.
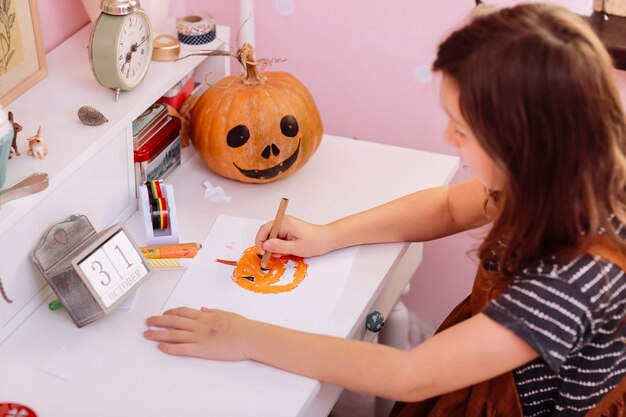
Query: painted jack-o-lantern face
pixel 256 128
pixel 283 151
pixel 248 273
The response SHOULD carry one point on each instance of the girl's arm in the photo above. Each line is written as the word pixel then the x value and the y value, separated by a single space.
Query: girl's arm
pixel 472 351
pixel 417 217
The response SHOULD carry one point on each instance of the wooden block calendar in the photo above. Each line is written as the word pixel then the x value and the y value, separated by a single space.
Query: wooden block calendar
pixel 90 272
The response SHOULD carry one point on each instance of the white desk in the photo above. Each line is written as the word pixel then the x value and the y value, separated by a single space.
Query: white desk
pixel 344 176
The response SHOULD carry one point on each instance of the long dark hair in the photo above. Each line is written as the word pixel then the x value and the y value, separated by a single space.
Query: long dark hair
pixel 536 87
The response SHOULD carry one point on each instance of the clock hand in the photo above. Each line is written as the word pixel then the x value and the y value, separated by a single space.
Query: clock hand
pixel 127 61
pixel 129 55
pixel 135 47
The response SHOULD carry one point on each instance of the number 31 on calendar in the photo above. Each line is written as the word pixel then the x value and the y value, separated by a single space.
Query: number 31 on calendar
pixel 113 269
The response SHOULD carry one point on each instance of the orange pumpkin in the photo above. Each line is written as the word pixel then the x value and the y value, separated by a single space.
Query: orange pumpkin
pixel 257 127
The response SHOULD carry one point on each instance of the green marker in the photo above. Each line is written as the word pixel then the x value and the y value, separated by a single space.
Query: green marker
pixel 55 305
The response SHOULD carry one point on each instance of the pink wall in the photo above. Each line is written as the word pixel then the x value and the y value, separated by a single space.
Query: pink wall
pixel 364 63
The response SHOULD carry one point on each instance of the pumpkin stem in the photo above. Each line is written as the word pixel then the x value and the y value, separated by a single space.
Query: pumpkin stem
pixel 251 74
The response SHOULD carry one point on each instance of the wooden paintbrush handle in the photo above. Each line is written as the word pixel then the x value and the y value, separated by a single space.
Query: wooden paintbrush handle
pixel 275 228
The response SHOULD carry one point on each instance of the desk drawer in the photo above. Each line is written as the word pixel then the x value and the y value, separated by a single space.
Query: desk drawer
pixel 397 281
pixel 102 189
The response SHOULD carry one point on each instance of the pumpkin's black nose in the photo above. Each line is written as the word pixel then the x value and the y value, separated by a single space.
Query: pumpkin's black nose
pixel 273 149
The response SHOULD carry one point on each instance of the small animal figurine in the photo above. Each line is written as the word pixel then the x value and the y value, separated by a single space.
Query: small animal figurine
pixel 36 146
pixel 17 128
pixel 91 116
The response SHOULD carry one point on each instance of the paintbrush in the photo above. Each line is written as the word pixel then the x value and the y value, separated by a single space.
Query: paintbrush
pixel 274 231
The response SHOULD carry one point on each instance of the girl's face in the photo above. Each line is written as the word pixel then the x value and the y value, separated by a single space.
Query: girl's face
pixel 460 135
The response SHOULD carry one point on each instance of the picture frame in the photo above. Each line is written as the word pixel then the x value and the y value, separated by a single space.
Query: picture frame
pixel 22 54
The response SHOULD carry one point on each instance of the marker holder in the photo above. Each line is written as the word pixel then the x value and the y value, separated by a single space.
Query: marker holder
pixel 154 235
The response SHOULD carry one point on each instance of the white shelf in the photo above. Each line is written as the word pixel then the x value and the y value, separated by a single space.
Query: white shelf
pixel 91 168
pixel 53 104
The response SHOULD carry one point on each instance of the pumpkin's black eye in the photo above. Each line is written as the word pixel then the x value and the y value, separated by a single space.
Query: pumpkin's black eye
pixel 289 126
pixel 237 136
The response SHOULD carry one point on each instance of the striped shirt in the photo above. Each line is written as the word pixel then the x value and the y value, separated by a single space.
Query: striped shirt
pixel 571 315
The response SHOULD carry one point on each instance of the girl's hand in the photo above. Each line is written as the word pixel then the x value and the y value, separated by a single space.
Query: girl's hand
pixel 204 333
pixel 295 237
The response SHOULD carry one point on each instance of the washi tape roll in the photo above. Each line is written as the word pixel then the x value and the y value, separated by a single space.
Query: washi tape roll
pixel 164 263
pixel 154 189
pixel 196 29
pixel 159 213
pixel 165 48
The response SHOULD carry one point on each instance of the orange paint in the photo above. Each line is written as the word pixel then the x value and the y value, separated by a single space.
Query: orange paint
pixel 225 262
pixel 249 275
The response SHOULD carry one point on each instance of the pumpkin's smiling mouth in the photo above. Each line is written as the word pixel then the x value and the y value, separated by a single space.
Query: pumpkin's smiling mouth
pixel 269 173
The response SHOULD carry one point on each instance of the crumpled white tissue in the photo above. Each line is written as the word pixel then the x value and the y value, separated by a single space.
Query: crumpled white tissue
pixel 214 193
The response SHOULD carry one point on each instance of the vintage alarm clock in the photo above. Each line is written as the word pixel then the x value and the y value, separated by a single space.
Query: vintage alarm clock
pixel 120 46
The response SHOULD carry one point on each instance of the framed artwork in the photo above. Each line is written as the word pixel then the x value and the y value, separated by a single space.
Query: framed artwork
pixel 22 55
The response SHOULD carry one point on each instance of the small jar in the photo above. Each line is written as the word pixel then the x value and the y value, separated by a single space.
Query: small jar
pixel 6 140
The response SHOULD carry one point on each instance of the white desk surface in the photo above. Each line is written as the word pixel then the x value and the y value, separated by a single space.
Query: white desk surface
pixel 134 378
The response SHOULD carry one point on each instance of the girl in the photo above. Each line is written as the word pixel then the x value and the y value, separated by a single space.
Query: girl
pixel 533 111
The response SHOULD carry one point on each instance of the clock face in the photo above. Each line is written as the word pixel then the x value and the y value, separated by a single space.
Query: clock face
pixel 134 49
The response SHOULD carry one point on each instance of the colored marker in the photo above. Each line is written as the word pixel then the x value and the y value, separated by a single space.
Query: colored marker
pixel 55 305
pixel 180 250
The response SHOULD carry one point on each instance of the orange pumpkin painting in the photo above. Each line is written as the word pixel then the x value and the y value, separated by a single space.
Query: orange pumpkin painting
pixel 249 275
pixel 258 127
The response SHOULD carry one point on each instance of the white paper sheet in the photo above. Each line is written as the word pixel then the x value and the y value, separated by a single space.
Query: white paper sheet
pixel 75 361
pixel 208 283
